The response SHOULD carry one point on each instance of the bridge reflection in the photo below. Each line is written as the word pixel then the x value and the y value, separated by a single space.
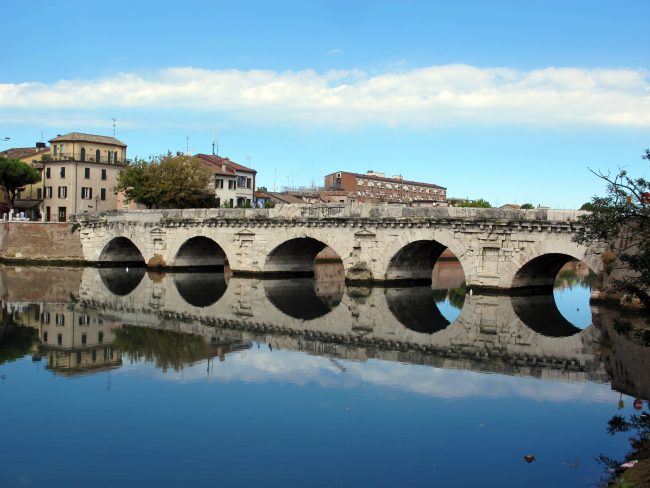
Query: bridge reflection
pixel 490 333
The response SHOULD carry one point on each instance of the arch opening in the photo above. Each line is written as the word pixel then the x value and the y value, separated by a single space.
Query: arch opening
pixel 121 251
pixel 200 289
pixel 200 252
pixel 425 262
pixel 557 304
pixel 297 257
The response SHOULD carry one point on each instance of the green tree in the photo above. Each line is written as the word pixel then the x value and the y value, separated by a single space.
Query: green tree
pixel 527 206
pixel 622 219
pixel 167 181
pixel 479 203
pixel 14 175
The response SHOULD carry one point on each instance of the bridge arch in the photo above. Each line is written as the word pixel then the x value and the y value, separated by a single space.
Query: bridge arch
pixel 412 257
pixel 121 250
pixel 200 251
pixel 539 265
pixel 296 255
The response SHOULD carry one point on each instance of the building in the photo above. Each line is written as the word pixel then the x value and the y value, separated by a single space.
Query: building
pixel 373 187
pixel 28 200
pixel 79 175
pixel 234 184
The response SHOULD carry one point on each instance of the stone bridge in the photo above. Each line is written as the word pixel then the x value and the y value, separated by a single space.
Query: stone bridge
pixel 497 248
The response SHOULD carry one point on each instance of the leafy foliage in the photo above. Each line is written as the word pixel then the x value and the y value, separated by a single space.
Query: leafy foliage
pixel 167 181
pixel 14 175
pixel 622 218
pixel 527 206
pixel 480 203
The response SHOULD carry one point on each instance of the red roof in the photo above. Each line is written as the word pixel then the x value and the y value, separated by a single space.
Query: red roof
pixel 24 152
pixel 218 161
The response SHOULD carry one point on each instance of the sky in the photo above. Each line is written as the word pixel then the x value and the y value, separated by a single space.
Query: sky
pixel 509 101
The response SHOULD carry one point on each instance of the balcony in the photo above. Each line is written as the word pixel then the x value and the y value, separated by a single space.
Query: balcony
pixel 68 156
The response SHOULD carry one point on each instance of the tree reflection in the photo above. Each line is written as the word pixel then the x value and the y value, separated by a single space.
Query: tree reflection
pixel 15 341
pixel 167 349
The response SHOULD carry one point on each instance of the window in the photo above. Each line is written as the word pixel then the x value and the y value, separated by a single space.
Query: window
pixel 82 154
pixel 84 338
pixel 218 183
pixel 59 339
pixel 231 184
pixel 45 336
pixel 110 157
pixel 45 317
pixel 241 181
pixel 248 182
pixel 102 194
pixel 232 203
pixel 63 192
pixel 100 337
pixel 84 319
pixel 55 148
pixel 39 193
pixel 218 202
pixel 47 172
pixel 48 192
pixel 98 156
pixel 86 173
pixel 59 319
pixel 93 355
pixel 62 172
pixel 103 174
pixel 86 193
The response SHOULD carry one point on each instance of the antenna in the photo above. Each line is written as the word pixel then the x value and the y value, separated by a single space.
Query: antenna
pixel 275 176
pixel 41 136
pixel 214 141
pixel 114 120
pixel 248 161
pixel 187 144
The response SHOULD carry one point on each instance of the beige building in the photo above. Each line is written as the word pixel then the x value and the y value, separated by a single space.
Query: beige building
pixel 28 200
pixel 234 184
pixel 79 175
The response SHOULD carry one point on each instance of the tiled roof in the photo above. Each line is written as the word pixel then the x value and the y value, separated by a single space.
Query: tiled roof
pixel 391 180
pixel 286 197
pixel 24 152
pixel 80 137
pixel 219 161
pixel 261 194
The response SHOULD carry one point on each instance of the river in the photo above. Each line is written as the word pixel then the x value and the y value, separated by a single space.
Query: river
pixel 123 377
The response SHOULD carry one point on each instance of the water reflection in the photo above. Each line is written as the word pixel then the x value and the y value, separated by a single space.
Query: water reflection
pixel 200 289
pixel 417 308
pixel 301 298
pixel 123 280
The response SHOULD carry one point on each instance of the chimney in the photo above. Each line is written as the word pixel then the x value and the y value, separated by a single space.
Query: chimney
pixel 223 167
pixel 40 145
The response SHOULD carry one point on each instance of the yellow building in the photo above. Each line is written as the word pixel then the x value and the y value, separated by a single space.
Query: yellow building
pixel 28 200
pixel 78 173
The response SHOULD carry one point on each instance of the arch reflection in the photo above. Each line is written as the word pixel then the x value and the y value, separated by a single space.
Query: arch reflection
pixel 300 298
pixel 540 313
pixel 417 308
pixel 121 281
pixel 200 289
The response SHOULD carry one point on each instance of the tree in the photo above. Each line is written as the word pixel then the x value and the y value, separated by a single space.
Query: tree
pixel 622 219
pixel 480 203
pixel 14 175
pixel 527 206
pixel 167 181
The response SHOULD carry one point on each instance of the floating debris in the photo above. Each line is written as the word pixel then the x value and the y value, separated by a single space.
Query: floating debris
pixel 529 458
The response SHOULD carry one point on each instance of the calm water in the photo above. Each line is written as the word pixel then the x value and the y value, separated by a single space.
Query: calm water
pixel 127 378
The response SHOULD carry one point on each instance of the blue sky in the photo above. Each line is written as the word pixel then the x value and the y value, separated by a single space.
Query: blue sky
pixel 506 100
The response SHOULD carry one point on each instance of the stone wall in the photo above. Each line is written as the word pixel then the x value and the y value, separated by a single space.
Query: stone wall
pixel 47 241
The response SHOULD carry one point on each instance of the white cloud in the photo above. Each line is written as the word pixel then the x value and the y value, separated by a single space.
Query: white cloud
pixel 436 95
